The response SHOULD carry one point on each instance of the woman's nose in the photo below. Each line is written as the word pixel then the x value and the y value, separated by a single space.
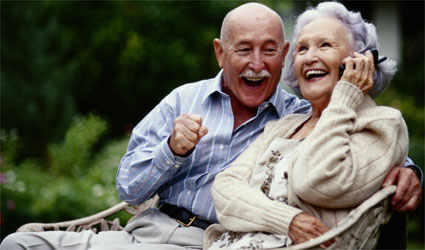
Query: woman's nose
pixel 310 56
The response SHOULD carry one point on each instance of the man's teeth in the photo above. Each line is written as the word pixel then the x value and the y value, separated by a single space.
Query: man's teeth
pixel 254 79
pixel 310 74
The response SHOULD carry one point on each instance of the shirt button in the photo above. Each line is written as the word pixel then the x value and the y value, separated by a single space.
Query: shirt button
pixel 266 105
pixel 176 166
pixel 168 162
pixel 221 147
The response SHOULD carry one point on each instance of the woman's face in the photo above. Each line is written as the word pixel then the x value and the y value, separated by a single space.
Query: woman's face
pixel 319 51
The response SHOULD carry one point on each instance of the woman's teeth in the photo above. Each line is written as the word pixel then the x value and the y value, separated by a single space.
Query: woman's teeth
pixel 314 73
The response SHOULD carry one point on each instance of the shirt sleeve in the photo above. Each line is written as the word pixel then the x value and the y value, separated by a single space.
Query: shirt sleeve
pixel 348 154
pixel 149 162
pixel 418 171
pixel 242 208
pixel 295 105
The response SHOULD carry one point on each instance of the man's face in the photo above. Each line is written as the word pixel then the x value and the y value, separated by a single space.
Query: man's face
pixel 252 59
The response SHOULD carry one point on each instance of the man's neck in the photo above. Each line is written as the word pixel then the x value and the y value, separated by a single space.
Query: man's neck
pixel 241 112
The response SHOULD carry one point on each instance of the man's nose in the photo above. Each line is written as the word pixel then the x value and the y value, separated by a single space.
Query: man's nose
pixel 256 61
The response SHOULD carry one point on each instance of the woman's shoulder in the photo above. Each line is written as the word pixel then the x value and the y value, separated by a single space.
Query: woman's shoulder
pixel 372 110
pixel 279 127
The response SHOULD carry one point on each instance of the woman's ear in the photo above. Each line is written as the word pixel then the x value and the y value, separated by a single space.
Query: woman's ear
pixel 218 52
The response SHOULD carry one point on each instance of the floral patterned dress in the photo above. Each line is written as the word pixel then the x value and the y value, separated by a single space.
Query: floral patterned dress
pixel 271 177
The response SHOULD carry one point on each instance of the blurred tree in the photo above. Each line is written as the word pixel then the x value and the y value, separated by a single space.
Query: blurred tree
pixel 117 59
pixel 61 59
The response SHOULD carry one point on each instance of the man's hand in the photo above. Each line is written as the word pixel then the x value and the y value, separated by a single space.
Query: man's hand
pixel 305 227
pixel 409 193
pixel 188 130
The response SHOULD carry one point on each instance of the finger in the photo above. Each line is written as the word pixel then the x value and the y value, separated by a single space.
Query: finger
pixel 192 122
pixel 402 188
pixel 187 129
pixel 196 118
pixel 359 68
pixel 411 205
pixel 179 145
pixel 410 200
pixel 348 72
pixel 407 185
pixel 202 132
pixel 391 177
pixel 184 139
pixel 370 69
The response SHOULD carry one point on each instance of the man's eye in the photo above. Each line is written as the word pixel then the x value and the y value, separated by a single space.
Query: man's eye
pixel 326 45
pixel 270 51
pixel 243 51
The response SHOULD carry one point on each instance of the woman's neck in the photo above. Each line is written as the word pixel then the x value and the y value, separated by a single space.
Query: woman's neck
pixel 307 127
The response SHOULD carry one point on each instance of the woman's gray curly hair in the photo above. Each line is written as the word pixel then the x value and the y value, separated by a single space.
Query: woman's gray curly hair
pixel 363 35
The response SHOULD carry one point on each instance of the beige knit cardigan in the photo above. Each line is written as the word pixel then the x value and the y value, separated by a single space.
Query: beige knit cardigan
pixel 340 164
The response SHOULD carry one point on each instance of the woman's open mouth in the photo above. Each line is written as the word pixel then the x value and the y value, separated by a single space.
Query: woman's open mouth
pixel 311 74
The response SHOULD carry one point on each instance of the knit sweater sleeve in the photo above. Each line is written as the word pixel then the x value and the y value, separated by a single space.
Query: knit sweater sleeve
pixel 242 208
pixel 346 157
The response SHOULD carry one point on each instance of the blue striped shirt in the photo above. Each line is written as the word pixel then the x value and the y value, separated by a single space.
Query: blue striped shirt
pixel 149 166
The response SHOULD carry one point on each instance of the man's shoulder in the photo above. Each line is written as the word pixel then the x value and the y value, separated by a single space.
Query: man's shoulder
pixel 196 85
pixel 193 86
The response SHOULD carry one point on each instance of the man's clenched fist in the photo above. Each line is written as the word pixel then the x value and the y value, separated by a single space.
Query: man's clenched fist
pixel 188 130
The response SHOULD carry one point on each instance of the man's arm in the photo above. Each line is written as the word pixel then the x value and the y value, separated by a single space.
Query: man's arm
pixel 409 192
pixel 149 162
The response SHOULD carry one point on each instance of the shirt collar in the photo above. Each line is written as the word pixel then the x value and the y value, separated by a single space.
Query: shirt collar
pixel 215 87
pixel 276 100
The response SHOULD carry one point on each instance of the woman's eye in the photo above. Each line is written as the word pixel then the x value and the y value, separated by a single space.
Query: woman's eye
pixel 301 49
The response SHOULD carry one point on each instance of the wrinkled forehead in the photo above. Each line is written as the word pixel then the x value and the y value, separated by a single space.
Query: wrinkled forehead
pixel 325 27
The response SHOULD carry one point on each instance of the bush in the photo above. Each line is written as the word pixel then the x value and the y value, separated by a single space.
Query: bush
pixel 77 181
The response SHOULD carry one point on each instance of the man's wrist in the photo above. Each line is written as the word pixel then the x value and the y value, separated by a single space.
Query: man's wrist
pixel 416 169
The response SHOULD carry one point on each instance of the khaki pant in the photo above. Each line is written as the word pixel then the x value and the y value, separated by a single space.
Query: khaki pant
pixel 150 230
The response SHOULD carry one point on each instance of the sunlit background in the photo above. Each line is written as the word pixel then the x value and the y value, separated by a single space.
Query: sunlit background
pixel 76 77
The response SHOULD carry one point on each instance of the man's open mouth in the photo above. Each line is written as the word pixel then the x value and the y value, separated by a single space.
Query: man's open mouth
pixel 253 81
pixel 310 74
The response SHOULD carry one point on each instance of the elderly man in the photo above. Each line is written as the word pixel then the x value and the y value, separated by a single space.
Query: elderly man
pixel 193 134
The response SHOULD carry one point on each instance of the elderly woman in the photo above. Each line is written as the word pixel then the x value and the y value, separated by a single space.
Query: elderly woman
pixel 306 172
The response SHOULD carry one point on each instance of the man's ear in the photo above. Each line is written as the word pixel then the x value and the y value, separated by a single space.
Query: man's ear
pixel 284 52
pixel 218 52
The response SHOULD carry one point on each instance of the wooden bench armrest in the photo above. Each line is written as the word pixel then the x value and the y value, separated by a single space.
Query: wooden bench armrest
pixel 360 230
pixel 89 222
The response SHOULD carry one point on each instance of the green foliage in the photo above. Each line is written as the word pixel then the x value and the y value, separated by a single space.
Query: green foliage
pixel 61 59
pixel 119 59
pixel 56 192
pixel 73 155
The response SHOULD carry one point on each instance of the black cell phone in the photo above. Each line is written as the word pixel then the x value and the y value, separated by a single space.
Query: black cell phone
pixel 376 60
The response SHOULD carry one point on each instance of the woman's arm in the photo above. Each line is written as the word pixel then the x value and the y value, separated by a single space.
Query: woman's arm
pixel 243 208
pixel 348 154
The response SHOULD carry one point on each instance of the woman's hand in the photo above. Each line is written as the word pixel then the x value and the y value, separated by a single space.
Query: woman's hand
pixel 305 227
pixel 359 71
